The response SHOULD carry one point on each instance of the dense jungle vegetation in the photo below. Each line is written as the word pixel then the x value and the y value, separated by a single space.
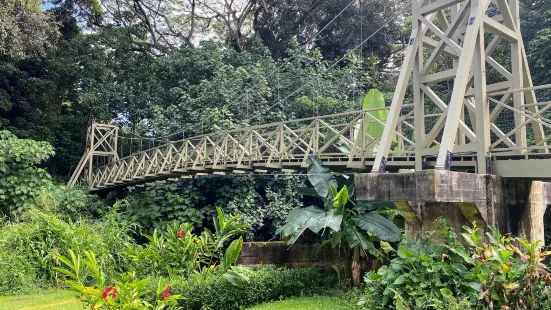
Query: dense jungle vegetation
pixel 162 70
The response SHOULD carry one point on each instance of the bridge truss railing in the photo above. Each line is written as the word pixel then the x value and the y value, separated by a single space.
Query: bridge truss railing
pixel 345 139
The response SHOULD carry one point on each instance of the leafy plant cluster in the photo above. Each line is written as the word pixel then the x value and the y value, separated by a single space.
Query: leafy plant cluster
pixel 87 278
pixel 265 284
pixel 72 204
pixel 179 252
pixel 439 272
pixel 197 291
pixel 352 225
pixel 263 203
pixel 20 181
pixel 29 247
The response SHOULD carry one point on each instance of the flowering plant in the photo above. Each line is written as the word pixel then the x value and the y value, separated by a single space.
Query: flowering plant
pixel 127 292
pixel 178 250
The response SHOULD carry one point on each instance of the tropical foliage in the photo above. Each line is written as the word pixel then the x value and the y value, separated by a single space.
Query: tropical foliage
pixel 438 272
pixel 178 251
pixel 351 224
pixel 20 180
pixel 263 203
pixel 87 278
pixel 29 247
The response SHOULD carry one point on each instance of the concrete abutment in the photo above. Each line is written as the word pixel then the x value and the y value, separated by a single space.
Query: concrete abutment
pixel 514 206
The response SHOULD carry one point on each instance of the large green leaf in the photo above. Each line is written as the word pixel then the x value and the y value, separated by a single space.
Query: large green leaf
pixel 320 176
pixel 236 277
pixel 329 219
pixel 355 236
pixel 308 191
pixel 375 100
pixel 232 253
pixel 346 180
pixel 378 226
pixel 312 218
pixel 341 199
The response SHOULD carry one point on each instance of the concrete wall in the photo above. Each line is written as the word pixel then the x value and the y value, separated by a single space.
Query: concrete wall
pixel 280 254
pixel 515 206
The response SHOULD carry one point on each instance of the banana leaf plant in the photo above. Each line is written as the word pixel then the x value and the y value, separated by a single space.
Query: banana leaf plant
pixel 351 225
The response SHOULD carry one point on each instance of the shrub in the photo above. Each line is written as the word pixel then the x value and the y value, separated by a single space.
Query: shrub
pixel 20 181
pixel 71 204
pixel 179 251
pixel 444 274
pixel 87 278
pixel 263 203
pixel 265 284
pixel 34 242
pixel 17 275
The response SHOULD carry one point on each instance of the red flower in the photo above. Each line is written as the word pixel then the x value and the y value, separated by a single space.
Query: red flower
pixel 192 253
pixel 166 293
pixel 106 292
pixel 114 293
pixel 180 233
pixel 208 239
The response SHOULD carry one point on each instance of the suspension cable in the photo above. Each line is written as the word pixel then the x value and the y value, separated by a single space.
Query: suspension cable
pixel 335 63
pixel 277 70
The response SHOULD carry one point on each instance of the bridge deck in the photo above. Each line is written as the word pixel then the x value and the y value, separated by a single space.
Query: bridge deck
pixel 513 166
pixel 346 141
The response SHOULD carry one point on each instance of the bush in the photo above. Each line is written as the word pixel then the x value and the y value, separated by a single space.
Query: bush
pixel 263 203
pixel 17 275
pixel 87 278
pixel 71 204
pixel 32 244
pixel 444 274
pixel 178 250
pixel 265 284
pixel 20 181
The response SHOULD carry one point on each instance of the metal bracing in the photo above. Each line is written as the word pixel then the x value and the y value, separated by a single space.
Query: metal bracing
pixel 344 140
pixel 461 118
pixel 454 34
pixel 101 142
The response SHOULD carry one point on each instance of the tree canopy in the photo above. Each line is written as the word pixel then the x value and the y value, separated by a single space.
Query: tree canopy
pixel 160 67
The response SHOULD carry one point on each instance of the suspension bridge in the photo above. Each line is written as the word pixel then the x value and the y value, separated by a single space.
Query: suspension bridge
pixel 488 119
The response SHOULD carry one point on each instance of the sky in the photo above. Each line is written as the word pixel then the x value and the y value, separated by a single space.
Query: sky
pixel 46 5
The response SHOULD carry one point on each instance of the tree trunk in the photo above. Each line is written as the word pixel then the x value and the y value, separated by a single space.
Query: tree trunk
pixel 356 268
pixel 347 266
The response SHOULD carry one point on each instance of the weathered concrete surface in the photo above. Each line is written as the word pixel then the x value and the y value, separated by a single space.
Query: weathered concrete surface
pixel 515 206
pixel 281 254
pixel 422 197
pixel 527 201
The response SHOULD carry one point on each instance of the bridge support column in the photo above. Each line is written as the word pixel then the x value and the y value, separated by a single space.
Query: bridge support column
pixel 527 201
pixel 461 198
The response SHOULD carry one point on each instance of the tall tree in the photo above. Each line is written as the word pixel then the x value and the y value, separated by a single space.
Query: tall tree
pixel 280 21
pixel 536 31
pixel 25 30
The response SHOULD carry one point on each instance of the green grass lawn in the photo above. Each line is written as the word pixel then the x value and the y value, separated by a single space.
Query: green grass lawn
pixel 66 300
pixel 307 303
pixel 49 300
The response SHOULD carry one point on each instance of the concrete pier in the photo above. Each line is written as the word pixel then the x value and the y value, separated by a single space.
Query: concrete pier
pixel 514 206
